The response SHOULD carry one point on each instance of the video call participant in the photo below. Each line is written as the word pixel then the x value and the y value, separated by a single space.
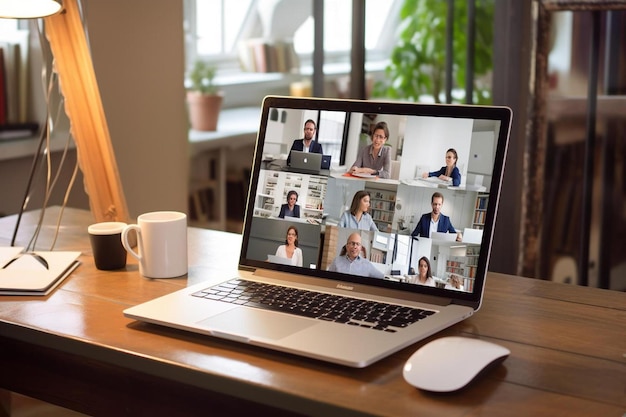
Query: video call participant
pixel 454 283
pixel 375 159
pixel 290 249
pixel 358 217
pixel 435 220
pixel 352 262
pixel 449 172
pixel 424 274
pixel 306 144
pixel 290 209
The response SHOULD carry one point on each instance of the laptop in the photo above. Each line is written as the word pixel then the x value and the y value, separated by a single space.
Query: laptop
pixel 305 162
pixel 326 159
pixel 278 259
pixel 443 236
pixel 284 318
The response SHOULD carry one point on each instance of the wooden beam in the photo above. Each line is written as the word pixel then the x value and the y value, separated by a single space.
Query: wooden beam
pixel 83 105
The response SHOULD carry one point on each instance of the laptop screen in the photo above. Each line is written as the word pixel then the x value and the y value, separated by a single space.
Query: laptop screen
pixel 406 183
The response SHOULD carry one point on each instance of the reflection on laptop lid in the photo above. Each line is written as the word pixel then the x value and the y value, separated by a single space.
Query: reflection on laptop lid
pixel 327 245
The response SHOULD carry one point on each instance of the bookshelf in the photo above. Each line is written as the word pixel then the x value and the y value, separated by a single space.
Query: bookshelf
pixel 382 208
pixel 275 186
pixel 480 211
pixel 464 266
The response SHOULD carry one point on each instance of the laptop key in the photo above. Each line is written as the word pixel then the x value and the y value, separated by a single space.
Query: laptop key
pixel 320 306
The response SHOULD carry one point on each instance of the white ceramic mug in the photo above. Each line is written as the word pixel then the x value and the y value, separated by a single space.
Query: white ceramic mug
pixel 161 244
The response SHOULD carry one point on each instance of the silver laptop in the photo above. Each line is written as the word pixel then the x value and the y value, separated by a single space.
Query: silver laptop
pixel 278 259
pixel 443 236
pixel 350 318
pixel 305 162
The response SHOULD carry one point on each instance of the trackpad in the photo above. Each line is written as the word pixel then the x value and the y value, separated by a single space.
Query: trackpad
pixel 256 324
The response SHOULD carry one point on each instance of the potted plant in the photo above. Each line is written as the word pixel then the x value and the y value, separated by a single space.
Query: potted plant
pixel 417 62
pixel 204 99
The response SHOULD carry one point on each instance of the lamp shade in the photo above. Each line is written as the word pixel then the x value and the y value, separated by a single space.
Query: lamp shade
pixel 28 9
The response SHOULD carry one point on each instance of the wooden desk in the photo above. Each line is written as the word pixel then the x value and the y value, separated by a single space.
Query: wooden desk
pixel 74 348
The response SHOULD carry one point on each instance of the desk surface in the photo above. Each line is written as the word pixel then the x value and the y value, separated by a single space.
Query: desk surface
pixel 74 348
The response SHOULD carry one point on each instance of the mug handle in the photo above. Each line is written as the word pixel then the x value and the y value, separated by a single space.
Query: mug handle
pixel 125 242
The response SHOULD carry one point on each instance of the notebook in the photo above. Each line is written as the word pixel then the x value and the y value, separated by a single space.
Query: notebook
pixel 310 309
pixel 34 273
pixel 305 162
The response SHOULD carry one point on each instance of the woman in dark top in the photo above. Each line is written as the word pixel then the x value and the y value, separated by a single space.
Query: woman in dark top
pixel 449 172
pixel 290 209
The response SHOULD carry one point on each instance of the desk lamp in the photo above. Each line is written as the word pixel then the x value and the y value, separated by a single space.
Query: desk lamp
pixel 83 105
pixel 28 9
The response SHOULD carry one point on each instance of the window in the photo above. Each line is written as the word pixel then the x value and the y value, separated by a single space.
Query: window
pixel 214 27
pixel 217 25
pixel 338 26
pixel 331 133
pixel 7 27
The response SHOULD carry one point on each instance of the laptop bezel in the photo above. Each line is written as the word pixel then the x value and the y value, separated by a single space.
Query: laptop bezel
pixel 370 285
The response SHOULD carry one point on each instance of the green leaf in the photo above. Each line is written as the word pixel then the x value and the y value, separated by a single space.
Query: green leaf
pixel 417 62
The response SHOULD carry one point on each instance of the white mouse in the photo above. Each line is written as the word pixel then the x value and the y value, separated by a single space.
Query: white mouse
pixel 450 363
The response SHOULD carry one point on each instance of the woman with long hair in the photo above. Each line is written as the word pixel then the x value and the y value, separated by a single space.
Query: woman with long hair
pixel 449 172
pixel 358 217
pixel 424 274
pixel 290 249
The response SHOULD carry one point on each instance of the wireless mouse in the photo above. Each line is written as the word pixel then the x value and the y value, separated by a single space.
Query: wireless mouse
pixel 450 363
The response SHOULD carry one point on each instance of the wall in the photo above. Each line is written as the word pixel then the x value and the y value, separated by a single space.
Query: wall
pixel 138 55
pixel 143 99
pixel 511 72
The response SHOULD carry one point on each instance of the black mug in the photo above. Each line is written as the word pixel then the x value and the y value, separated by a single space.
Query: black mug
pixel 106 244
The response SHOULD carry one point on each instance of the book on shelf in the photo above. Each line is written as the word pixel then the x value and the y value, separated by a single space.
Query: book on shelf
pixel 481 202
pixel 10 131
pixel 34 273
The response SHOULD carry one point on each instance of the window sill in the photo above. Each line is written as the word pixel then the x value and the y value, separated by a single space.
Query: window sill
pixel 26 147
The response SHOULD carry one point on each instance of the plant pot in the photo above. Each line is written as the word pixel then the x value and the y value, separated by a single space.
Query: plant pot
pixel 204 110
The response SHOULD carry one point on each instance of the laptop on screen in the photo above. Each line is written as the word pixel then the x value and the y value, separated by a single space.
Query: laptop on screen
pixel 305 162
pixel 278 259
pixel 326 160
pixel 447 237
pixel 345 299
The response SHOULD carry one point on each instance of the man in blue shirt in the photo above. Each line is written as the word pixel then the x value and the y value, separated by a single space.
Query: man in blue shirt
pixel 307 144
pixel 352 262
pixel 435 220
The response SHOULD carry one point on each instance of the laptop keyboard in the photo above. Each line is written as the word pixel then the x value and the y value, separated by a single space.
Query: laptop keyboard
pixel 312 304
